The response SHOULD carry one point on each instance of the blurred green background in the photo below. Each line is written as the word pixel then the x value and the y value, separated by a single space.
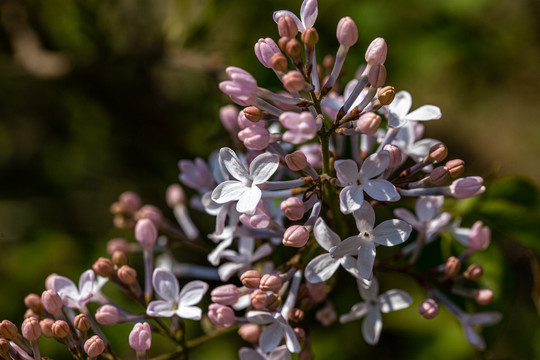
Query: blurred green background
pixel 98 97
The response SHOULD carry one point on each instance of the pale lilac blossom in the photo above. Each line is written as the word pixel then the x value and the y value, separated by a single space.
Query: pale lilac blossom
pixel 273 333
pixel 279 353
pixel 429 218
pixel 301 127
pixel 242 260
pixel 399 114
pixel 469 321
pixel 196 174
pixel 72 296
pixel 242 88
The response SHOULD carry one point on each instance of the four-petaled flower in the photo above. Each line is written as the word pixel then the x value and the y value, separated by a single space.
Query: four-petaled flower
pixel 244 189
pixel 391 300
pixel 356 181
pixel 388 233
pixel 429 219
pixel 175 302
pixel 271 336
pixel 72 296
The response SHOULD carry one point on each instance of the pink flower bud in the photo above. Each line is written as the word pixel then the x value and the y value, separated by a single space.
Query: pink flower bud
pixel 480 237
pixel 250 332
pixel 293 81
pixel 221 315
pixel 150 212
pixel 317 291
pixel 8 330
pixel 377 75
pixel 52 302
pixel 103 267
pixel 438 152
pixel 260 219
pixel 279 63
pixel 30 329
pixel 301 127
pixel 258 299
pixel 313 154
pixel 60 329
pixel 46 327
pixel 4 348
pixel 293 208
pixel 244 122
pixel 368 123
pixel 270 282
pixel 296 236
pixel 264 50
pixel 347 32
pixel 140 338
pixel 129 201
pixel 296 161
pixel 287 27
pixel 253 113
pixel 225 294
pixel 175 195
pixel 107 315
pixel 452 266
pixel 376 52
pixel 428 308
pixel 395 155
pixel 117 244
pixel 251 279
pixel 483 296
pixel 474 272
pixel 327 315
pixel 242 87
pixel 94 346
pixel 228 115
pixel 439 175
pixel 310 37
pixel 273 302
pixel 127 274
pixel 33 302
pixel 467 187
pixel 455 167
pixel 146 233
pixel 255 137
pixel 81 323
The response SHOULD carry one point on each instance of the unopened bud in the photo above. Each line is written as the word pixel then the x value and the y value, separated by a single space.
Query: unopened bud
pixel 467 187
pixel 52 302
pixel 129 201
pixel 264 50
pixel 46 327
pixel 439 175
pixel 386 95
pixel 474 272
pixel 225 294
pixel 317 291
pixel 376 51
pixel 107 315
pixel 300 334
pixel 33 302
pixel 117 244
pixel 452 267
pixel 293 81
pixel 287 27
pixel 428 309
pixel 293 208
pixel 228 115
pixel 175 195
pixel 4 348
pixel 30 329
pixel 279 62
pixel 456 167
pixel 127 274
pixel 483 296
pixel 270 282
pixel 273 302
pixel 60 329
pixel 8 330
pixel 30 313
pixel 282 43
pixel 395 155
pixel 250 332
pixel 368 123
pixel 296 236
pixel 119 258
pixel 310 37
pixel 255 137
pixel 103 267
pixel 438 152
pixel 82 323
pixel 258 299
pixel 140 337
pixel 480 237
pixel 146 233
pixel 293 48
pixel 253 113
pixel 296 315
pixel 296 161
pixel 377 75
pixel 347 32
pixel 327 315
pixel 251 279
pixel 221 315
pixel 94 346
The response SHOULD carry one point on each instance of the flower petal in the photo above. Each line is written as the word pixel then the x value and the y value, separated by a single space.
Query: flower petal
pixel 348 246
pixel 86 284
pixel 406 216
pixel 426 208
pixel 279 353
pixel 349 263
pixel 281 13
pixel 369 292
pixel 474 338
pixel 346 171
pixel 290 339
pixel 189 312
pixel 259 317
pixel 308 13
pixel 364 218
pixel 382 190
pixel 391 232
pixel 160 308
pixel 357 311
pixel 229 190
pixel 227 270
pixel 351 198
pixel 65 288
pixel 484 318
pixel 263 167
pixel 321 268
pixel 165 284
pixel 192 293
pixel 420 149
pixel 233 165
pixel 394 299
pixel 374 165
pixel 271 337
pixel 425 113
pixel 249 354
pixel 372 326
pixel 366 258
pixel 247 204
pixel 401 104
pixel 262 251
pixel 324 235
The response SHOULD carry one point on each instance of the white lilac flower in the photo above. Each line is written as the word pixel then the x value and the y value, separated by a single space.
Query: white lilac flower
pixel 356 181
pixel 272 334
pixel 411 144
pixel 224 240
pixel 72 296
pixel 175 302
pixel 322 267
pixel 478 319
pixel 244 189
pixel 241 260
pixel 371 309
pixel 388 233
pixel 196 174
pixel 399 114
pixel 279 353
pixel 429 218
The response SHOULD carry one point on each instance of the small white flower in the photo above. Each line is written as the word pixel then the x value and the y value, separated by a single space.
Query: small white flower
pixel 411 143
pixel 371 309
pixel 399 114
pixel 429 218
pixel 176 302
pixel 241 260
pixel 356 181
pixel 271 335
pixel 72 296
pixel 388 233
pixel 244 189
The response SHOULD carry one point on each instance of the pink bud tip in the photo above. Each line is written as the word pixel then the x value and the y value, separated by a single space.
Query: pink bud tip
pixel 260 219
pixel 221 315
pixel 296 161
pixel 46 327
pixel 467 187
pixel 480 237
pixel 175 195
pixel 251 279
pixel 146 233
pixel 117 244
pixel 30 328
pixel 107 315
pixel 255 137
pixel 368 123
pixel 242 87
pixel 270 282
pixel 51 301
pixel 287 27
pixel 60 329
pixel 258 299
pixel 94 346
pixel 377 75
pixel 395 155
pixel 228 115
pixel 225 294
pixel 296 236
pixel 347 32
pixel 140 338
pixel 265 49
pixel 428 308
pixel 484 296
pixel 150 212
pixel 129 201
pixel 293 81
pixel 376 52
pixel 293 208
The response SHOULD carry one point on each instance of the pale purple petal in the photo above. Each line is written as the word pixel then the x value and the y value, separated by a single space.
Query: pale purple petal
pixel 279 353
pixel 439 222
pixel 230 190
pixel 351 198
pixel 263 167
pixel 86 284
pixel 484 318
pixel 348 246
pixel 260 317
pixel 349 263
pixel 227 270
pixel 160 308
pixel 249 354
pixel 262 251
pixel 308 13
pixel 364 218
pixel 281 13
pixel 366 258
pixel 474 338
pixel 391 232
pixel 382 190
pixel 290 339
pixel 346 172
pixel 357 311
pixel 374 165
pixel 425 113
pixel 426 208
pixel 165 284
pixel 462 235
pixel 401 104
pixel 324 235
pixel 406 215
pixel 420 149
pixel 246 245
pixel 271 337
pixel 233 165
pixel 192 293
pixel 66 289
pixel 372 326
pixel 189 312
pixel 368 292
pixel 249 200
pixel 215 256
pixel 394 299
pixel 321 268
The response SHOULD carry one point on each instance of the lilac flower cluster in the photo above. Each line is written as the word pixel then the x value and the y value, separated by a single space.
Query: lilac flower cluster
pixel 314 166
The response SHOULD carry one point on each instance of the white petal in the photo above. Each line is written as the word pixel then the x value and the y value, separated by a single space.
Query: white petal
pixel 368 292
pixel 420 149
pixel 229 190
pixel 192 293
pixel 349 264
pixel 474 338
pixel 246 245
pixel 259 317
pixel 308 13
pixel 65 288
pixel 372 326
pixel 374 165
pixel 165 284
pixel 321 268
pixel 290 339
pixel 426 208
pixel 189 312
pixel 346 171
pixel 406 215
pixel 249 354
pixel 263 167
pixel 247 204
pixel 439 222
pixel 351 198
pixel 396 122
pixel 394 299
pixel 382 190
pixel 160 308
pixel 348 246
pixel 281 13
pixel 262 251
pixel 364 218
pixel 271 337
pixel 215 256
pixel 324 235
pixel 357 311
pixel 233 165
pixel 401 104
pixel 391 232
pixel 461 234
pixel 227 270
pixel 86 283
pixel 366 258
pixel 210 206
pixel 425 113
pixel 279 353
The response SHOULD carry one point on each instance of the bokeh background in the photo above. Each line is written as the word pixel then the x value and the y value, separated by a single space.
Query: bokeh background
pixel 98 97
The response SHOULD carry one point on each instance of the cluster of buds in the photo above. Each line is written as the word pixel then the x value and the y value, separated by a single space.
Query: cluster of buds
pixel 311 160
